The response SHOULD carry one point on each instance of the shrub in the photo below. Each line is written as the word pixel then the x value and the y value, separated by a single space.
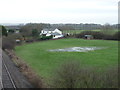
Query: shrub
pixel 46 37
pixel 16 35
pixel 110 78
pixel 8 43
pixel 66 76
pixel 108 32
pixel 4 31
pixel 108 37
pixel 29 40
pixel 116 36
pixel 99 35
pixel 71 75
pixel 11 31
pixel 96 35
pixel 35 33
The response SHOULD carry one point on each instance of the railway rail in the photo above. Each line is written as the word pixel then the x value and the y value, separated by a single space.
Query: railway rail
pixel 11 76
pixel 7 81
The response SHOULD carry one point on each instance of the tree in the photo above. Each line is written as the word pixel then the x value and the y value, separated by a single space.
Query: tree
pixel 11 31
pixel 4 31
pixel 107 26
pixel 27 29
pixel 8 42
pixel 35 33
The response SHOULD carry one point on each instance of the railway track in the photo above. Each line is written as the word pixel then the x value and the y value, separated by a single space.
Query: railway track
pixel 7 81
pixel 11 76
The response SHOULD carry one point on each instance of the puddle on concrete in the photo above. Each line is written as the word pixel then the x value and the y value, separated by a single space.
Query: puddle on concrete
pixel 76 49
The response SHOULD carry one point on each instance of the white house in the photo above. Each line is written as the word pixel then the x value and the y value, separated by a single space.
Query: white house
pixel 55 32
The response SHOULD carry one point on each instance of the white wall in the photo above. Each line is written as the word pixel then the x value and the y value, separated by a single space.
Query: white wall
pixel 57 36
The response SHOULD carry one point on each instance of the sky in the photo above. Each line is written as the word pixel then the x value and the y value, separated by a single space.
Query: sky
pixel 59 11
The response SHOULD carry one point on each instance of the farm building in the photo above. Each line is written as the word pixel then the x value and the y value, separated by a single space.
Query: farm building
pixel 88 37
pixel 56 33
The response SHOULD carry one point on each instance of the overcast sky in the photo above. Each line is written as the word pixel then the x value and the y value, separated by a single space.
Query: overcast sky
pixel 59 11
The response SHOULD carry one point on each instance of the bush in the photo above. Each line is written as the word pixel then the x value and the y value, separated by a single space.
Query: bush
pixel 108 32
pixel 8 43
pixel 35 33
pixel 30 40
pixel 46 37
pixel 71 75
pixel 96 35
pixel 116 36
pixel 4 31
pixel 108 37
pixel 11 31
pixel 110 78
pixel 66 76
pixel 99 35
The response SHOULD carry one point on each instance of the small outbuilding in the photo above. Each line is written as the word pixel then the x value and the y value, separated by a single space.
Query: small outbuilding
pixel 18 40
pixel 88 37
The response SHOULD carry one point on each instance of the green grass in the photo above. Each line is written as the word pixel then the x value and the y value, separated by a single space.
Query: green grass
pixel 76 31
pixel 110 32
pixel 45 62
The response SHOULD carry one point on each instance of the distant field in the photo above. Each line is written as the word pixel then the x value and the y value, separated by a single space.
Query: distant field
pixel 79 31
pixel 45 62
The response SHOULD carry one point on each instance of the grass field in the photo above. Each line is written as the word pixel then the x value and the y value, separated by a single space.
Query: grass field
pixel 76 31
pixel 110 32
pixel 45 62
